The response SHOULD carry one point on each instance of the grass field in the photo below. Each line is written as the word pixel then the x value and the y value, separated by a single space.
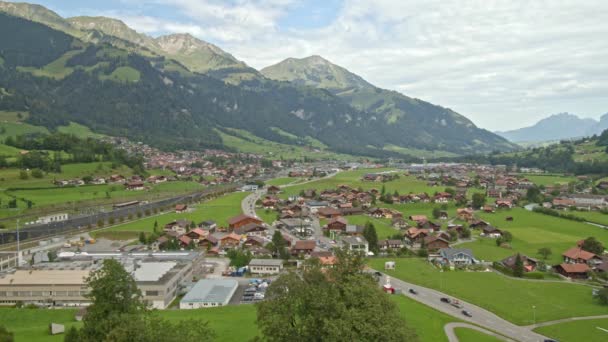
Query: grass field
pixel 13 129
pixel 219 210
pixel 588 331
pixel 122 74
pixel 78 130
pixel 383 227
pixel 591 216
pixel 549 179
pixel 267 216
pixel 487 289
pixel 470 335
pixel 56 69
pixel 532 231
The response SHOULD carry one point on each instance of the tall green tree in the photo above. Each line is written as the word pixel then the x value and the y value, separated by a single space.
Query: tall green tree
pixel 370 234
pixel 479 200
pixel 545 252
pixel 518 268
pixel 592 245
pixel 5 335
pixel 340 304
pixel 279 245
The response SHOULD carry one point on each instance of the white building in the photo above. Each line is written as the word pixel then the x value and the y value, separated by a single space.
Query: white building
pixel 209 293
pixel 52 218
pixel 356 244
pixel 265 266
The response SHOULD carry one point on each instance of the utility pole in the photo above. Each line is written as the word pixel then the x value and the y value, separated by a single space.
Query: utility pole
pixel 18 246
pixel 534 313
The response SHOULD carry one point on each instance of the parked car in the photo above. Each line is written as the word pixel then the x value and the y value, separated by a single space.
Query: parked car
pixel 466 313
pixel 412 291
pixel 445 300
pixel 378 274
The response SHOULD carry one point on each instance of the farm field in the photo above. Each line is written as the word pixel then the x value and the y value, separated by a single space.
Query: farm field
pixel 553 300
pixel 426 321
pixel 219 210
pixel 79 131
pixel 267 216
pixel 532 231
pixel 383 226
pixel 586 330
pixel 591 216
pixel 404 185
pixel 470 335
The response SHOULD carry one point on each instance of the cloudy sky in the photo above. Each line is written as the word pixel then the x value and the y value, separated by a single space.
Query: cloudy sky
pixel 503 64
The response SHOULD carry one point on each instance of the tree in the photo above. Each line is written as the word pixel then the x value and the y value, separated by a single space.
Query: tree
pixel 453 235
pixel 113 293
pixel 383 190
pixel 436 212
pixel 37 173
pixel 118 314
pixel 479 200
pixel 533 195
pixel 5 335
pixel 279 245
pixel 23 175
pixel 602 296
pixel 545 252
pixel 239 257
pixel 340 304
pixel 518 268
pixel 142 238
pixel 592 245
pixel 155 229
pixel 370 234
pixel 466 232
pixel 507 236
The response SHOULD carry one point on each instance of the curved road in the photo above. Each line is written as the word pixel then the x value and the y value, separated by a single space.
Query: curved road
pixel 481 317
pixel 449 331
pixel 564 320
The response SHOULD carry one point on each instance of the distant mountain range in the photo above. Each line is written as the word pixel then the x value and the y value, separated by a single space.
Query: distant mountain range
pixel 180 92
pixel 557 127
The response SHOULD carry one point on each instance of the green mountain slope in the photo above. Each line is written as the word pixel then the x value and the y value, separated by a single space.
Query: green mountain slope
pixel 408 122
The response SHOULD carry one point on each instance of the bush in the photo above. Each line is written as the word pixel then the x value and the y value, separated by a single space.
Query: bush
pixel 534 275
pixel 37 173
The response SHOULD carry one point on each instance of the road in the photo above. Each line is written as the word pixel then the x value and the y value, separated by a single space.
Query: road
pixel 248 203
pixel 481 317
pixel 449 331
pixel 571 319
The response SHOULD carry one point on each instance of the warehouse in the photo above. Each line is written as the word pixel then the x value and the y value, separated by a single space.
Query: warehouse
pixel 265 266
pixel 209 293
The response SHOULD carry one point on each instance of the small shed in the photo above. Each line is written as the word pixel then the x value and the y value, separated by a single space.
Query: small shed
pixel 389 265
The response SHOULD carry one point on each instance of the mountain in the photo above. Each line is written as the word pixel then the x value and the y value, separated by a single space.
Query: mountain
pixel 99 73
pixel 557 127
pixel 405 121
pixel 36 13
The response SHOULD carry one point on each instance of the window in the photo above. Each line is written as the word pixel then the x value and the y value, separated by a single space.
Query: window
pixel 151 293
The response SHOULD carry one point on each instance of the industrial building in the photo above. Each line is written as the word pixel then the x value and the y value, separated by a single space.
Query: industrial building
pixel 209 293
pixel 159 276
pixel 265 266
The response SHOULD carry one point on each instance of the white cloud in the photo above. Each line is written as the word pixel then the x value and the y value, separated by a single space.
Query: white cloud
pixel 502 63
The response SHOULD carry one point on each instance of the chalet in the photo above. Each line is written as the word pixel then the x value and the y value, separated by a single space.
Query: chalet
pixel 573 271
pixel 529 263
pixel 273 190
pixel 492 232
pixel 434 243
pixel 160 243
pixel 351 211
pixel 577 255
pixel 242 220
pixel 418 218
pixel 117 179
pixel 135 185
pixel 488 209
pixel 416 234
pixel 208 241
pixel 457 256
pixel 251 229
pixel 179 226
pixel 337 224
pixel 314 206
pixel 562 203
pixel 504 204
pixel 399 223
pixel 443 215
pixel 184 241
pixel 304 247
pixel 478 224
pixel 464 214
pixel 254 241
pixel 196 234
pixel 230 241
pixel 328 212
pixel 385 245
pixel 428 225
pixel 180 208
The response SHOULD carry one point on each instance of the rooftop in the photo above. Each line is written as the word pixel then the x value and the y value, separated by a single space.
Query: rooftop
pixel 45 277
pixel 152 271
pixel 211 290
pixel 266 262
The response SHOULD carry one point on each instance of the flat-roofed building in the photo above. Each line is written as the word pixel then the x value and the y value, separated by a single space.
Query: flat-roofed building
pixel 48 287
pixel 265 266
pixel 209 293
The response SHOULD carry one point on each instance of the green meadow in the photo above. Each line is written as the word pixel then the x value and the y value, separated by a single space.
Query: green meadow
pixel 532 231
pixel 593 330
pixel 553 300
pixel 470 335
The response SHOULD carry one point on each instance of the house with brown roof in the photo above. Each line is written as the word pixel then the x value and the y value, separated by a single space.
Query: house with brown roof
pixel 208 241
pixel 529 263
pixel 435 243
pixel 418 218
pixel 385 245
pixel 337 224
pixel 492 232
pixel 251 229
pixel 196 234
pixel 574 271
pixel 241 220
pixel 328 212
pixel 577 255
pixel 230 241
pixel 304 247
pixel 416 234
